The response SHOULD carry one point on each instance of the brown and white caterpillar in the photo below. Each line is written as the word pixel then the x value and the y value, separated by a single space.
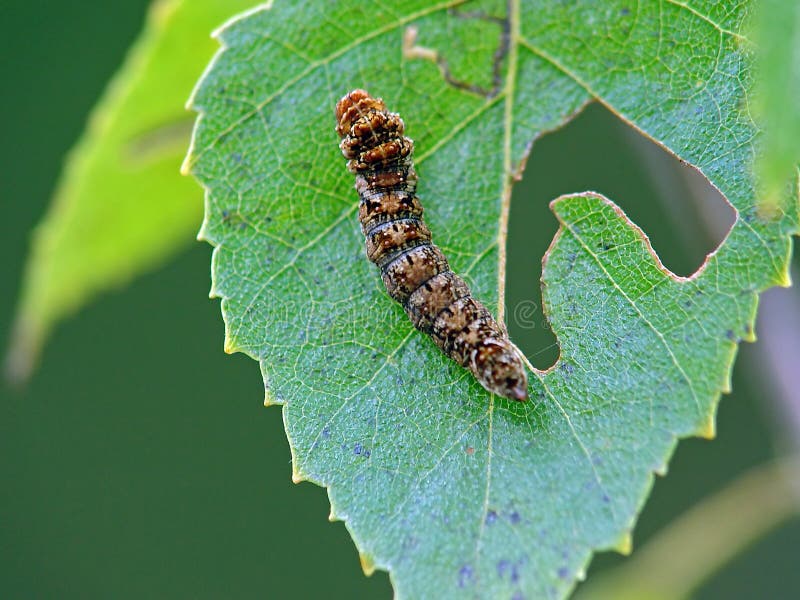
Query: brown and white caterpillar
pixel 414 271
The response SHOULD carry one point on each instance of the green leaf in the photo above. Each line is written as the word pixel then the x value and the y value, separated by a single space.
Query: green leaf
pixel 454 492
pixel 777 32
pixel 121 206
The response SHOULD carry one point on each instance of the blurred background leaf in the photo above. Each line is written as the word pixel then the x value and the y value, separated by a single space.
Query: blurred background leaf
pixel 121 206
pixel 140 461
pixel 776 33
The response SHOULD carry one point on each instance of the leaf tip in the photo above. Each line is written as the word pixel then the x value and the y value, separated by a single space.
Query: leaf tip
pixel 22 354
pixel 624 545
pixel 269 399
pixel 785 277
pixel 708 430
pixel 367 563
pixel 297 475
pixel 230 346
pixel 188 162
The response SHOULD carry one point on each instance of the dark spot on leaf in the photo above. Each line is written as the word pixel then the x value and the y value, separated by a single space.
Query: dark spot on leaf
pixel 563 573
pixel 730 335
pixel 503 567
pixel 571 258
pixel 514 518
pixel 360 450
pixel 326 432
pixel 464 576
pixel 491 517
pixel 470 450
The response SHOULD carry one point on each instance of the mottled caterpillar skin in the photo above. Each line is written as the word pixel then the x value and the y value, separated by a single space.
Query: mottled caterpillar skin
pixel 414 271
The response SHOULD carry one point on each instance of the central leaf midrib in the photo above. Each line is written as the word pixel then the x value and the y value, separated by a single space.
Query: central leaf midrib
pixel 502 236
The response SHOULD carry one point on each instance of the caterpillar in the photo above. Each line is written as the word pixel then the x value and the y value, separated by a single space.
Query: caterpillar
pixel 415 272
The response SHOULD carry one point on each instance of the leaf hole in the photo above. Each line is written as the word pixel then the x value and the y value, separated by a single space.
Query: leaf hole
pixel 684 216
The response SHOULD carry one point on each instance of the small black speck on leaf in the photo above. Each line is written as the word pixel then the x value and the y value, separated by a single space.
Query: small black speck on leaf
pixel 464 576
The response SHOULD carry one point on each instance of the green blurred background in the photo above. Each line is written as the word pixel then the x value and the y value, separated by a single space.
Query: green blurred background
pixel 140 462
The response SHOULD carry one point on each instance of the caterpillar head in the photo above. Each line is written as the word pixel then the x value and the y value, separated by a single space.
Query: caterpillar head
pixel 354 105
pixel 499 368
